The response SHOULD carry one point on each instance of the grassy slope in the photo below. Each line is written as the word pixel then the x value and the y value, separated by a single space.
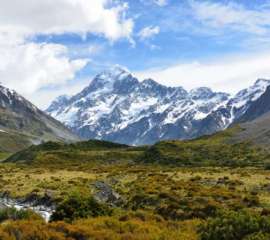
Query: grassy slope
pixel 13 142
pixel 88 152
pixel 219 149
pixel 257 131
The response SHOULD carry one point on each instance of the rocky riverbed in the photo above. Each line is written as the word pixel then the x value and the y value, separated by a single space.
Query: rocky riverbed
pixel 42 206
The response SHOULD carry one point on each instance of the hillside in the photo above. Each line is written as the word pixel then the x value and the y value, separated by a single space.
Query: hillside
pixel 219 149
pixel 215 150
pixel 88 152
pixel 23 124
pixel 256 131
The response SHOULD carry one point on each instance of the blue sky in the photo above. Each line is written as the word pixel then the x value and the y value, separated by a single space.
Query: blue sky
pixel 57 47
pixel 180 38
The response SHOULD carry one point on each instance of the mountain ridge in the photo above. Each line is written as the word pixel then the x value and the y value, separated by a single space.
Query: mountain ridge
pixel 117 107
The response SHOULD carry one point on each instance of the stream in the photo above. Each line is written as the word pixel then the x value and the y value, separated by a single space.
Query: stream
pixel 44 211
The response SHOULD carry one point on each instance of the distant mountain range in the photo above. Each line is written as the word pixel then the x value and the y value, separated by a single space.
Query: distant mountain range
pixel 117 107
pixel 23 124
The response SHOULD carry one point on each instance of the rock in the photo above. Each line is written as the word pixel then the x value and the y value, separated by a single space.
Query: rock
pixel 105 194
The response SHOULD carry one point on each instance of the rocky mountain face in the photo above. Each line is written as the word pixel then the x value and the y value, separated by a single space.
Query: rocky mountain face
pixel 22 124
pixel 255 122
pixel 258 108
pixel 117 107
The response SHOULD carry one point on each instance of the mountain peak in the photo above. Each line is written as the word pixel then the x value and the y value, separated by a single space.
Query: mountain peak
pixel 107 78
pixel 115 72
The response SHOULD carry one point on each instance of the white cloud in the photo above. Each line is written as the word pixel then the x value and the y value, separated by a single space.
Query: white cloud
pixel 65 16
pixel 29 67
pixel 161 3
pixel 230 75
pixel 220 15
pixel 149 32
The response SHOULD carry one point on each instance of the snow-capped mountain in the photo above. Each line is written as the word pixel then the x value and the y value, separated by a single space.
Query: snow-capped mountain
pixel 117 107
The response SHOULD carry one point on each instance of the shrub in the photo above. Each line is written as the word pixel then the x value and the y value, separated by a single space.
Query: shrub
pixel 230 225
pixel 267 166
pixel 14 214
pixel 258 236
pixel 77 206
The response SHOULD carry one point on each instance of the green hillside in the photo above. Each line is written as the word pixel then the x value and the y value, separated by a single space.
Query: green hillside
pixel 77 153
pixel 13 142
pixel 216 150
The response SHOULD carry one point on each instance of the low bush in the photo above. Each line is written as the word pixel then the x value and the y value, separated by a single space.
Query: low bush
pixel 14 214
pixel 78 206
pixel 230 225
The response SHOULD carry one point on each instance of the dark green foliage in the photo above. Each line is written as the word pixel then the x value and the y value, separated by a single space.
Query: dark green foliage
pixel 79 206
pixel 242 225
pixel 48 146
pixel 267 166
pixel 14 214
pixel 97 144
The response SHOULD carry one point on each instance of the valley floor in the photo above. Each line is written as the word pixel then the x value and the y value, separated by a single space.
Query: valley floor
pixel 147 201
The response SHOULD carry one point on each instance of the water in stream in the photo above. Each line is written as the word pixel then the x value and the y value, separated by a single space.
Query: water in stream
pixel 43 211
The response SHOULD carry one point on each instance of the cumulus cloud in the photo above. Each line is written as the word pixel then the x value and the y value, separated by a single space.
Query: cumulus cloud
pixel 230 75
pixel 31 66
pixel 66 16
pixel 149 32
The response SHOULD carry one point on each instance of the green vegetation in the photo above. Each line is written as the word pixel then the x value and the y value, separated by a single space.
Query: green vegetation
pixel 236 225
pixel 205 189
pixel 52 153
pixel 79 206
pixel 4 156
pixel 14 214
pixel 158 202
pixel 215 150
